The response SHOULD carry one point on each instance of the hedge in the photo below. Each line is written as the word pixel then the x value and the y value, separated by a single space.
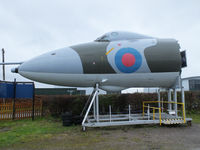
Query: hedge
pixel 56 105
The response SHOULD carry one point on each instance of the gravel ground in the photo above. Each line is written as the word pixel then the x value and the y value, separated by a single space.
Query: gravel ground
pixel 120 138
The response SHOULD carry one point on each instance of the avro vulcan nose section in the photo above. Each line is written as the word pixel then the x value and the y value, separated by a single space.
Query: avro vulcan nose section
pixel 116 60
pixel 64 60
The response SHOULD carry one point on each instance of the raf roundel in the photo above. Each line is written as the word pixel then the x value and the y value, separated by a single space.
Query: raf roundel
pixel 128 60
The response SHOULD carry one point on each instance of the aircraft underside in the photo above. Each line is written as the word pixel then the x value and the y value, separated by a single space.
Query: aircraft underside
pixel 108 82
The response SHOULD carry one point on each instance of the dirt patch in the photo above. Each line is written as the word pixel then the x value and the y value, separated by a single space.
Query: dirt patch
pixel 4 129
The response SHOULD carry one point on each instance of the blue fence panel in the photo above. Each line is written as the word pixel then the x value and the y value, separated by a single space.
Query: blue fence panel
pixel 24 90
pixel 6 90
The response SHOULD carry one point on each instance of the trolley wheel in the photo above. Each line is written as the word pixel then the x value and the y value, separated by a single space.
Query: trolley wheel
pixel 83 128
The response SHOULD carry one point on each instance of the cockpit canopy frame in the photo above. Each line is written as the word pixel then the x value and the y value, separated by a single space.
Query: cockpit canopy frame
pixel 120 35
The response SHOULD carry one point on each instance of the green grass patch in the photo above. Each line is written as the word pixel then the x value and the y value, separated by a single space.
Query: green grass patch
pixel 22 131
pixel 49 132
pixel 195 117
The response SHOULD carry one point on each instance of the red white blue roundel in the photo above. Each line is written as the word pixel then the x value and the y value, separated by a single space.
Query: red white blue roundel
pixel 128 60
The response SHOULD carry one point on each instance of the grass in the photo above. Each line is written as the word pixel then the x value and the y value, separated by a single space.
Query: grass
pixel 195 117
pixel 48 133
pixel 22 131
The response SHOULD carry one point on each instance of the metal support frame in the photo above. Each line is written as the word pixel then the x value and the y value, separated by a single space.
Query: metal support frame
pixel 95 103
pixel 175 100
pixel 158 91
pixel 150 115
pixel 94 109
pixel 183 98
pixel 169 100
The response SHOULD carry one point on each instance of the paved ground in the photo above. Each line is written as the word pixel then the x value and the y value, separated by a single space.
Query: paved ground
pixel 120 138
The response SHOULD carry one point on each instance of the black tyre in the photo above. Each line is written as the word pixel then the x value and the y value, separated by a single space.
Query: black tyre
pixel 67 116
pixel 77 120
pixel 67 123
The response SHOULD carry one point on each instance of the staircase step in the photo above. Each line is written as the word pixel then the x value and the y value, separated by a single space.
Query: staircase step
pixel 173 121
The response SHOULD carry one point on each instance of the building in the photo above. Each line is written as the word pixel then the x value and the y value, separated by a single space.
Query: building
pixel 191 83
pixel 59 91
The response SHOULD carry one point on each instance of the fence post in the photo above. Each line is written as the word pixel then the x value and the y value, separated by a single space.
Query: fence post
pixel 41 108
pixel 33 106
pixel 14 99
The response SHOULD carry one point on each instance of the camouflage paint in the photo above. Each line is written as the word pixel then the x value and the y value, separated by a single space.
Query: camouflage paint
pixel 164 56
pixel 93 57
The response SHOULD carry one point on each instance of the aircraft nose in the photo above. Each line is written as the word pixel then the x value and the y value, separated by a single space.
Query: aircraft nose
pixel 64 60
pixel 14 70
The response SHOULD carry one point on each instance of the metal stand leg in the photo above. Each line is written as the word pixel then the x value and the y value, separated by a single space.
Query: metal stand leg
pixel 175 100
pixel 169 100
pixel 129 112
pixel 94 109
pixel 158 97
pixel 183 99
pixel 97 103
pixel 110 113
pixel 88 110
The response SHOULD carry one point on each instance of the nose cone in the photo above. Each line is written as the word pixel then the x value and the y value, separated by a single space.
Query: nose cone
pixel 14 70
pixel 64 60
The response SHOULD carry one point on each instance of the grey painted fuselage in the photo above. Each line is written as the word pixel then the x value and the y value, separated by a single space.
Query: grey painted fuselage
pixel 117 60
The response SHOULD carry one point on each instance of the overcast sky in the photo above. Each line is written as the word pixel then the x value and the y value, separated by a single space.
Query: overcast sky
pixel 31 27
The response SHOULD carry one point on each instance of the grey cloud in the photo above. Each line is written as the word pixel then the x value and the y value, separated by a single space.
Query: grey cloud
pixel 30 28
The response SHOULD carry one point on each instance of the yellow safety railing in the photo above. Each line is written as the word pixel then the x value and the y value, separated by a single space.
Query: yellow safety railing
pixel 154 108
pixel 159 109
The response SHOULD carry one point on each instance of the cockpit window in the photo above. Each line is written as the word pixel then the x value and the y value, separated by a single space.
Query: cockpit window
pixel 103 38
pixel 115 36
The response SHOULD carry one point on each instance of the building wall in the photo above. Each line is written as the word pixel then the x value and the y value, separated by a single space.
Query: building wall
pixel 191 83
pixel 185 84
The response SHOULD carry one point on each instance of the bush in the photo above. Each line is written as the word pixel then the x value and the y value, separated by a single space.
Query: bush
pixel 56 105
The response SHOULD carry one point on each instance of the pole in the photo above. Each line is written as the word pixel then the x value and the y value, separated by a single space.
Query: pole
pixel 169 100
pixel 110 112
pixel 175 101
pixel 88 110
pixel 33 106
pixel 162 105
pixel 97 102
pixel 129 112
pixel 158 97
pixel 148 112
pixel 3 60
pixel 183 99
pixel 14 99
pixel 94 108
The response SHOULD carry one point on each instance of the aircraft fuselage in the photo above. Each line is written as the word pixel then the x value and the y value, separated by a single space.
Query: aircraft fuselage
pixel 115 64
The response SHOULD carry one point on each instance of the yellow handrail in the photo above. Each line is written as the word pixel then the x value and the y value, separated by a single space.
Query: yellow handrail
pixel 163 102
pixel 184 113
pixel 159 109
pixel 144 102
pixel 153 113
pixel 160 115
